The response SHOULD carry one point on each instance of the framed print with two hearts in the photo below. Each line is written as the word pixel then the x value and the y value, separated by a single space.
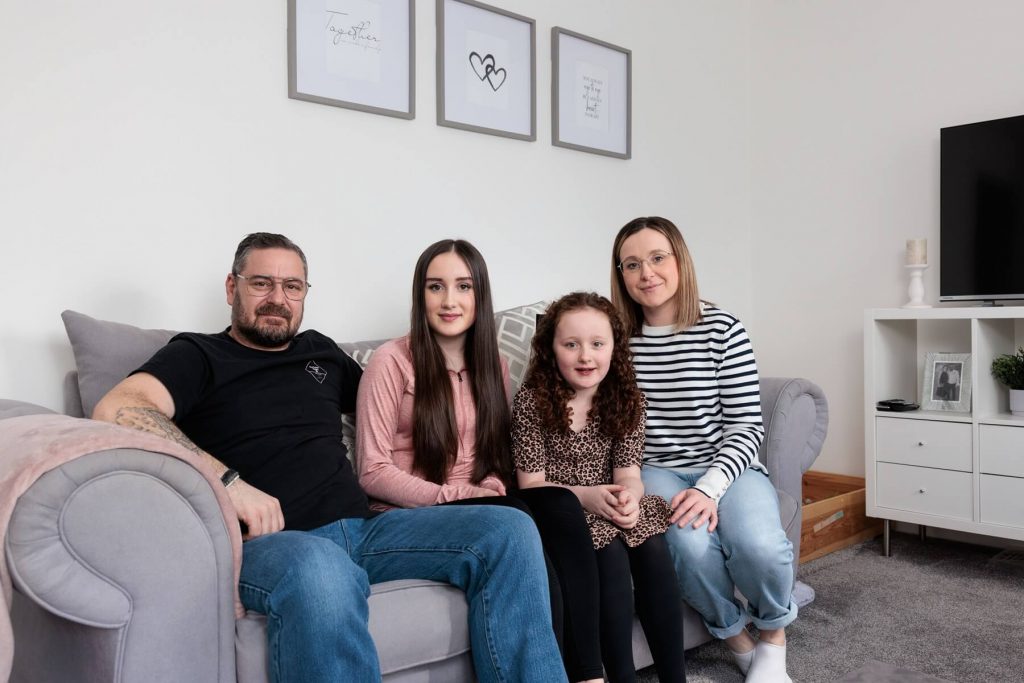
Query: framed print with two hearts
pixel 486 70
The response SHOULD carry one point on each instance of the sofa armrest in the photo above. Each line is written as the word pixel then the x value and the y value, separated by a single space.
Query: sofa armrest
pixel 796 421
pixel 123 562
pixel 9 408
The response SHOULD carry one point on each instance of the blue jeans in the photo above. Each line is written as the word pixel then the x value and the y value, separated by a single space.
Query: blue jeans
pixel 313 587
pixel 749 550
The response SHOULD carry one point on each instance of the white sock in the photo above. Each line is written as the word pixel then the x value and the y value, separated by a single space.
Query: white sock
pixel 769 664
pixel 743 659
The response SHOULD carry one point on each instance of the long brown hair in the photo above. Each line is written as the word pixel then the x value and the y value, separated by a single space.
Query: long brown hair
pixel 435 435
pixel 687 296
pixel 618 401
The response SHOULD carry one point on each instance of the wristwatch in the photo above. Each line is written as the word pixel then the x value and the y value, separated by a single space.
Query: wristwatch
pixel 229 477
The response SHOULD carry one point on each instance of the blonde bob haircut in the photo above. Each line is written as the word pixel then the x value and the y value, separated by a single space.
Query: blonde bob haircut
pixel 687 298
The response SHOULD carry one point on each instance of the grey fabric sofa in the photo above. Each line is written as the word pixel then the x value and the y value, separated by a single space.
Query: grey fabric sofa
pixel 122 568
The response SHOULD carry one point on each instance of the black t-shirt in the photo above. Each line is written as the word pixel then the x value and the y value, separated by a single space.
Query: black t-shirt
pixel 275 416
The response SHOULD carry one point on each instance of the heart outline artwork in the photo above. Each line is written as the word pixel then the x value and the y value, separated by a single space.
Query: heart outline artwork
pixel 485 69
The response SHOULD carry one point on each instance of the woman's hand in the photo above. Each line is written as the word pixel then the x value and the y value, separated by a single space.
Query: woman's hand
pixel 627 509
pixel 601 500
pixel 463 491
pixel 693 504
pixel 494 484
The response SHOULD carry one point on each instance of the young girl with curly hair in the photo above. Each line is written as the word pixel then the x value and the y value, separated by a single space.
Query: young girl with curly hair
pixel 578 423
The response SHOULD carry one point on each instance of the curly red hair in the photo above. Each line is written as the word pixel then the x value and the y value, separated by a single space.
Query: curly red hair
pixel 618 403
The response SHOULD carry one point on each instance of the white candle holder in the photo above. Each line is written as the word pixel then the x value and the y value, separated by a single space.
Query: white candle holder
pixel 915 289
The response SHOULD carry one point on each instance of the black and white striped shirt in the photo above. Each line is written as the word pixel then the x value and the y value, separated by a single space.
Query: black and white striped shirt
pixel 704 398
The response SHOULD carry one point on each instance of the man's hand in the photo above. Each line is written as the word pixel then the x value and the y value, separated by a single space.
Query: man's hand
pixel 627 510
pixel 260 512
pixel 693 504
pixel 601 500
pixel 142 402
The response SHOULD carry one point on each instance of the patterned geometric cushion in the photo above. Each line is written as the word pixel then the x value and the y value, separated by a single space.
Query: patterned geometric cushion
pixel 362 350
pixel 515 331
pixel 360 353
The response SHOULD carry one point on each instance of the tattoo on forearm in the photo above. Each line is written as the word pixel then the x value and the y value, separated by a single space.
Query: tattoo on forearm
pixel 153 421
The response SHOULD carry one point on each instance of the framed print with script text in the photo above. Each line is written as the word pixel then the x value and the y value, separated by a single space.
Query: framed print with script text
pixel 591 95
pixel 358 54
pixel 486 70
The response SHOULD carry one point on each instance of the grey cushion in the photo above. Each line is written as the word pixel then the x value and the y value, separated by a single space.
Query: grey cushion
pixel 105 352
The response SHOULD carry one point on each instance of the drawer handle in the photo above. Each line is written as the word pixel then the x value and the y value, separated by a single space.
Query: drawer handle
pixel 922 443
pixel 921 490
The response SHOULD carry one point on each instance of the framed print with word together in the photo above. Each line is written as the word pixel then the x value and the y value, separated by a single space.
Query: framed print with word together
pixel 486 70
pixel 591 95
pixel 358 54
pixel 946 384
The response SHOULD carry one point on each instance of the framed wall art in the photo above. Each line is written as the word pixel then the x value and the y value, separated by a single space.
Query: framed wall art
pixel 486 70
pixel 946 384
pixel 358 54
pixel 591 95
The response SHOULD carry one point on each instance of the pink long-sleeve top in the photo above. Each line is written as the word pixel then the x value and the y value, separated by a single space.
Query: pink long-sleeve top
pixel 384 448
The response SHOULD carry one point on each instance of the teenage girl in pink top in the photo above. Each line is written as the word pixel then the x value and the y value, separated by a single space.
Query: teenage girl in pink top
pixel 433 421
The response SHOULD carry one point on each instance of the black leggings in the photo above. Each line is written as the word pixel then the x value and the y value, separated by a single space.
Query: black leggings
pixel 647 572
pixel 572 572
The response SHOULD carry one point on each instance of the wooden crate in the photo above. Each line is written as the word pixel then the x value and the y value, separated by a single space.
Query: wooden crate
pixel 833 514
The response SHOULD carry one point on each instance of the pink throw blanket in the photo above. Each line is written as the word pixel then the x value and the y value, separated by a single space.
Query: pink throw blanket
pixel 32 445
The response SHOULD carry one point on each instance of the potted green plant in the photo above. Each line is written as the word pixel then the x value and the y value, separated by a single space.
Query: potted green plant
pixel 1008 369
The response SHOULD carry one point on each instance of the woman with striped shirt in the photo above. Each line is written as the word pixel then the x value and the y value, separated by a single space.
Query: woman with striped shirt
pixel 695 364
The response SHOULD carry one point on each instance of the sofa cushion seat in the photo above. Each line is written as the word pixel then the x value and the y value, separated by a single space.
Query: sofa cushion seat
pixel 397 627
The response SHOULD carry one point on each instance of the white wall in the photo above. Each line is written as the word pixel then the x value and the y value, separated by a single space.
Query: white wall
pixel 796 143
pixel 848 99
pixel 139 142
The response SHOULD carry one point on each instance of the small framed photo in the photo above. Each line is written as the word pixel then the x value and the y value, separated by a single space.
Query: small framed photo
pixel 591 95
pixel 947 382
pixel 357 54
pixel 486 70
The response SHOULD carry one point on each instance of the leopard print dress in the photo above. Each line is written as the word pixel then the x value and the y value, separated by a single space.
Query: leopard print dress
pixel 585 458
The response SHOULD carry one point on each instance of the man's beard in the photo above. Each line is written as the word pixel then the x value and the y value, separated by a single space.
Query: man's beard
pixel 269 337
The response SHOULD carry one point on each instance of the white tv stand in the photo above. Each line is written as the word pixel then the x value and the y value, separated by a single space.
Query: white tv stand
pixel 959 471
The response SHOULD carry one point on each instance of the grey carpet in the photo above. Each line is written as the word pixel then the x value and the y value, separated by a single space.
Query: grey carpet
pixel 948 610
pixel 880 672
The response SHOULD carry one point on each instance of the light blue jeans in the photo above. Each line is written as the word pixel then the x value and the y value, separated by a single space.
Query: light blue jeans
pixel 749 550
pixel 313 587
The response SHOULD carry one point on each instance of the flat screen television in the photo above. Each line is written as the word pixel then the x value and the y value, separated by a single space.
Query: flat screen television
pixel 981 229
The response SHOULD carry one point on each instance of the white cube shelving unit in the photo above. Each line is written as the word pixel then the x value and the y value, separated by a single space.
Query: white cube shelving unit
pixel 959 471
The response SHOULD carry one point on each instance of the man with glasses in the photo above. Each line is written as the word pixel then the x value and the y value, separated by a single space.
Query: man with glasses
pixel 262 402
